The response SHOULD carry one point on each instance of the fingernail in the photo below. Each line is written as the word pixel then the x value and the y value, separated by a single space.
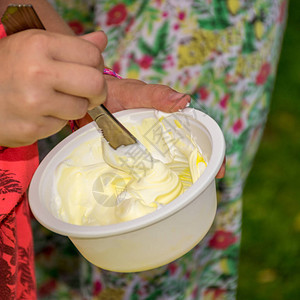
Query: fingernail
pixel 176 95
pixel 180 96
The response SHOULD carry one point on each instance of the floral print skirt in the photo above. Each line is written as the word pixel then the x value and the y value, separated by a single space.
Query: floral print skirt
pixel 223 53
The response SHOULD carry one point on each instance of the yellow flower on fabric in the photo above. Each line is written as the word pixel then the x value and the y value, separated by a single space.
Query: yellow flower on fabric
pixel 214 294
pixel 195 51
pixel 112 294
pixel 224 266
pixel 259 29
pixel 233 6
pixel 133 7
pixel 133 73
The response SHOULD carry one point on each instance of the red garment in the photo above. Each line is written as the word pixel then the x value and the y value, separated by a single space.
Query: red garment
pixel 17 165
pixel 2 31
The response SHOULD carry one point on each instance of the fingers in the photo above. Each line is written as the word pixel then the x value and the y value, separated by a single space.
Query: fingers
pixel 55 78
pixel 27 131
pixel 98 38
pixel 86 50
pixel 131 93
pixel 51 125
pixel 222 170
pixel 65 107
pixel 162 98
pixel 67 64
pixel 80 81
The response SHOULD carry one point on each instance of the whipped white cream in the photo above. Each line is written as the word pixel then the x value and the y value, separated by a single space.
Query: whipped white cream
pixel 97 185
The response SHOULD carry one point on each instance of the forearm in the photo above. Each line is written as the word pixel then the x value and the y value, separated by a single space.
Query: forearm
pixel 49 17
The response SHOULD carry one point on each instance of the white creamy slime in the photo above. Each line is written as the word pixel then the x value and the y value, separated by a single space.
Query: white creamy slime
pixel 96 185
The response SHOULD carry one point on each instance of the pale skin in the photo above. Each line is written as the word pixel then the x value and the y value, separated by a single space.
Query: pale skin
pixel 50 77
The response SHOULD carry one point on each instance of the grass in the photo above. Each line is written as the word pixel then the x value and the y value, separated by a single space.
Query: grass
pixel 270 253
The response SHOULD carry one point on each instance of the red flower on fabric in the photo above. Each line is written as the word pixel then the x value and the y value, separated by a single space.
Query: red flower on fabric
pixel 215 294
pixel 187 275
pixel 204 93
pixel 116 67
pixel 224 101
pixel 141 291
pixel 237 126
pixel 282 11
pixel 222 239
pixel 146 61
pixel 77 27
pixel 263 74
pixel 195 292
pixel 116 15
pixel 176 27
pixel 181 15
pixel 97 288
pixel 172 268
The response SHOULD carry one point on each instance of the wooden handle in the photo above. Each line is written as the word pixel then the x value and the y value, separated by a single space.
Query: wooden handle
pixel 20 17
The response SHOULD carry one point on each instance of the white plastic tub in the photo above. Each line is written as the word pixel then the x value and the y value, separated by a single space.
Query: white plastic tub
pixel 152 240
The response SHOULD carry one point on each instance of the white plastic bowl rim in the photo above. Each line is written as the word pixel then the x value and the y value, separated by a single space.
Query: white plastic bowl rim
pixel 49 221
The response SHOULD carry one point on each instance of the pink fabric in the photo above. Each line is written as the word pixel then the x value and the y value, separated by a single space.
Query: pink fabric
pixel 108 71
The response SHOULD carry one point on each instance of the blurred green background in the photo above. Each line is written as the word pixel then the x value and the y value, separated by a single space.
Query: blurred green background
pixel 270 254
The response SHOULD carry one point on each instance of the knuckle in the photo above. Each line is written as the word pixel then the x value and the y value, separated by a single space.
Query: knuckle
pixel 82 107
pixel 30 132
pixel 162 91
pixel 94 56
pixel 98 98
pixel 35 72
pixel 98 84
pixel 32 102
pixel 37 40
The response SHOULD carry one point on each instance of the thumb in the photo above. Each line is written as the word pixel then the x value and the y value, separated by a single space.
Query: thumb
pixel 132 93
pixel 98 38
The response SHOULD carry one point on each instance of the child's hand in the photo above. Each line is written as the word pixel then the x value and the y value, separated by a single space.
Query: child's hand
pixel 132 93
pixel 45 80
